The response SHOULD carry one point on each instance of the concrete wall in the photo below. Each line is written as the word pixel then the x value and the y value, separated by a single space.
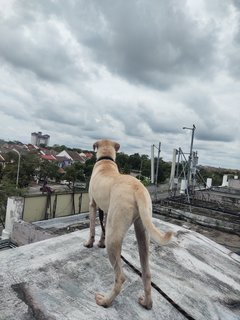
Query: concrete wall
pixel 234 183
pixel 23 210
pixel 40 207
pixel 13 214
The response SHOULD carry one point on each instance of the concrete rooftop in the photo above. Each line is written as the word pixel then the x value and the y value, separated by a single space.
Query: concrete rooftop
pixel 57 279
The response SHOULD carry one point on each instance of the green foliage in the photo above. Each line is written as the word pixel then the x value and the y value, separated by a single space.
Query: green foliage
pixel 126 169
pixel 1 172
pixel 135 161
pixel 145 166
pixel 88 168
pixel 49 170
pixel 145 181
pixel 42 145
pixel 75 172
pixel 59 148
pixel 164 170
pixel 27 169
pixel 213 173
pixel 142 164
pixel 122 161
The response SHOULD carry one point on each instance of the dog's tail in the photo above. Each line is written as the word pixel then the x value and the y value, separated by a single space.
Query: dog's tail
pixel 145 211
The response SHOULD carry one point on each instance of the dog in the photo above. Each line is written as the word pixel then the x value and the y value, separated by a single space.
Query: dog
pixel 126 201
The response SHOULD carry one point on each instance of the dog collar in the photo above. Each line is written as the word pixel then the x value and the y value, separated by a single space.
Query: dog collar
pixel 105 158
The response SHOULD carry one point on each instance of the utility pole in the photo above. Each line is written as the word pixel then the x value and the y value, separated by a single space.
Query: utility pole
pixel 154 175
pixel 18 168
pixel 190 155
pixel 152 164
pixel 158 159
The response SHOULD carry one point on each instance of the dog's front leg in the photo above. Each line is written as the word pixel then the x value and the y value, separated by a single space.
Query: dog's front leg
pixel 92 216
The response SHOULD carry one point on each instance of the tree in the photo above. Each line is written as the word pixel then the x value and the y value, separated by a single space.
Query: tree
pixel 1 172
pixel 135 161
pixel 49 170
pixel 59 148
pixel 122 160
pixel 163 170
pixel 145 166
pixel 27 170
pixel 75 172
pixel 126 169
pixel 213 173
pixel 88 168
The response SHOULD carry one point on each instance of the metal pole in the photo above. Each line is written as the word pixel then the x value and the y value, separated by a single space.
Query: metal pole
pixel 190 155
pixel 158 159
pixel 179 153
pixel 172 174
pixel 18 168
pixel 152 163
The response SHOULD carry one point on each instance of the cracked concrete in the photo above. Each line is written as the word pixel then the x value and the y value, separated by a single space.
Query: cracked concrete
pixel 58 277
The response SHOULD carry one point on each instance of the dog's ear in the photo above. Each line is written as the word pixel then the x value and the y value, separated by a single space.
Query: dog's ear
pixel 117 146
pixel 95 146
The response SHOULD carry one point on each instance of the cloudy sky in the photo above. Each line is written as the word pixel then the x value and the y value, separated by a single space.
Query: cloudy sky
pixel 134 71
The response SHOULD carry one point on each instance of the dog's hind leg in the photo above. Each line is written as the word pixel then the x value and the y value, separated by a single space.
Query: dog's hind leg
pixel 143 247
pixel 92 216
pixel 114 253
pixel 114 240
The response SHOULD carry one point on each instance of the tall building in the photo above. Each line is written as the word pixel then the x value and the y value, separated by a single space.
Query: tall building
pixel 38 138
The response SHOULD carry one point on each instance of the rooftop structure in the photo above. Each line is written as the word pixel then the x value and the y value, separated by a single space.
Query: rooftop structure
pixel 192 278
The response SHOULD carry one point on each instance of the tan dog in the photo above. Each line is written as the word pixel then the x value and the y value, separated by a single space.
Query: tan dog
pixel 126 201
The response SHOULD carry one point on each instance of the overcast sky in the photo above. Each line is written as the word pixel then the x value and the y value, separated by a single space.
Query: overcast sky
pixel 134 71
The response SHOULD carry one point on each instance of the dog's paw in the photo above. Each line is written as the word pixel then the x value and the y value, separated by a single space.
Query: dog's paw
pixel 101 244
pixel 88 244
pixel 101 300
pixel 145 304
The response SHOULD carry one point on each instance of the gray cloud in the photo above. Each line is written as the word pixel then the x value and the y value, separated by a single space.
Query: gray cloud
pixel 157 45
pixel 43 55
pixel 134 71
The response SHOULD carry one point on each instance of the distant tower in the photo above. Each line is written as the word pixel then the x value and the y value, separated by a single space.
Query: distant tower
pixel 38 138
pixel 34 138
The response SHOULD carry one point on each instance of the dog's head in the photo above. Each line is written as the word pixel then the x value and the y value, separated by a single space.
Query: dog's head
pixel 106 148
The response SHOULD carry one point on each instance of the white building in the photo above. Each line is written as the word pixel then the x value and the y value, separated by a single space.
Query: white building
pixel 38 138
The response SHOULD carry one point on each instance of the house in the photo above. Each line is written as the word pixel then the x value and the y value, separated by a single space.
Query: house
pixel 63 162
pixel 73 156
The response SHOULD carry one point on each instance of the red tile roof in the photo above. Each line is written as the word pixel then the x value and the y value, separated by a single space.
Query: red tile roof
pixel 48 157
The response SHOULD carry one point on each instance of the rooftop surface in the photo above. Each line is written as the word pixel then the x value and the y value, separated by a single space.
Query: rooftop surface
pixel 57 279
